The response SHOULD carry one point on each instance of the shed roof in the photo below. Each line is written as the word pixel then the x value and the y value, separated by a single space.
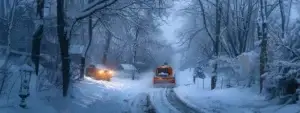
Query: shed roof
pixel 128 67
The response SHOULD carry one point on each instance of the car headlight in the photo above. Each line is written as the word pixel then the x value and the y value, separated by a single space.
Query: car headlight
pixel 110 72
pixel 100 71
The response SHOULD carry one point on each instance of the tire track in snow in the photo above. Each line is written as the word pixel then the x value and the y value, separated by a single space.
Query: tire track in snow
pixel 160 102
pixel 141 104
pixel 178 104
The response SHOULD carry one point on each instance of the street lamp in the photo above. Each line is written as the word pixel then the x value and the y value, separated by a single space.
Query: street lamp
pixel 25 73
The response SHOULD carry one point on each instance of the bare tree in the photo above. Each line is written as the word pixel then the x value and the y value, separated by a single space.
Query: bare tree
pixel 106 48
pixel 2 9
pixel 64 46
pixel 38 35
pixel 216 41
pixel 263 36
pixel 282 13
pixel 216 44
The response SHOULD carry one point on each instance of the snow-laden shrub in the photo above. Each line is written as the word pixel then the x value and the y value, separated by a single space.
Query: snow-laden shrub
pixel 227 68
pixel 280 82
pixel 270 84
pixel 239 71
pixel 249 70
pixel 198 71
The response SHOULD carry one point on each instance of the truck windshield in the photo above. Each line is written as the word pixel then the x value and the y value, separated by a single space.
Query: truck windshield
pixel 162 72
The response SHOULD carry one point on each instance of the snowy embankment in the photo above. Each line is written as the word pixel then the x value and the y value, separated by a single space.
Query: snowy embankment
pixel 87 96
pixel 228 100
pixel 95 96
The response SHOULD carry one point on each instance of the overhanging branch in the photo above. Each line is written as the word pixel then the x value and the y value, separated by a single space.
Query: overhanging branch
pixel 94 8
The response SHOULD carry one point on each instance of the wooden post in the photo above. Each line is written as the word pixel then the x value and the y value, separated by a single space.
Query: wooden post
pixel 222 83
pixel 203 83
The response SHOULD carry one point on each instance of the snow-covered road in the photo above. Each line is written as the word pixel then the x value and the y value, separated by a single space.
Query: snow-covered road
pixel 175 101
pixel 124 95
pixel 165 100
pixel 138 95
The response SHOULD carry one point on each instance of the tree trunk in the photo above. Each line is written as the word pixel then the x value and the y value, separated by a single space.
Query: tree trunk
pixel 2 9
pixel 38 35
pixel 106 49
pixel 216 45
pixel 82 65
pixel 289 14
pixel 64 46
pixel 6 6
pixel 135 47
pixel 11 17
pixel 264 42
pixel 282 18
pixel 36 44
pixel 83 57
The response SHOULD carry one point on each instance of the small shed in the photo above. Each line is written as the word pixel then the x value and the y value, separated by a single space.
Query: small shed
pixel 127 70
pixel 100 66
pixel 127 67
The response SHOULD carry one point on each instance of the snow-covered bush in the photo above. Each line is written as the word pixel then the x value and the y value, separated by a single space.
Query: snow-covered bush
pixel 248 63
pixel 283 66
pixel 240 71
pixel 227 68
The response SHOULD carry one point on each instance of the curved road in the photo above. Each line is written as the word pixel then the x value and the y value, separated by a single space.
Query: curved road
pixel 178 104
pixel 166 101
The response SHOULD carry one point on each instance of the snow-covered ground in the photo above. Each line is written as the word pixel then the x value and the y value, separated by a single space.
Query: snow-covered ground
pixel 123 95
pixel 117 96
pixel 228 100
pixel 88 96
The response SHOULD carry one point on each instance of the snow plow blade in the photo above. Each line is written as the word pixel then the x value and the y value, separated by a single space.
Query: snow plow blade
pixel 166 82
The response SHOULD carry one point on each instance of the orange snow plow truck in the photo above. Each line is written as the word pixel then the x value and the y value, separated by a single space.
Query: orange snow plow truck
pixel 164 77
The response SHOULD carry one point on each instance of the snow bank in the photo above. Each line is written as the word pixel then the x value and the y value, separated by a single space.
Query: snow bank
pixel 230 100
pixel 92 96
pixel 87 96
pixel 184 77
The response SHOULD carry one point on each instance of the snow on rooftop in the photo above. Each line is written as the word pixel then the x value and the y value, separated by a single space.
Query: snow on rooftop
pixel 26 67
pixel 140 63
pixel 128 67
pixel 100 66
